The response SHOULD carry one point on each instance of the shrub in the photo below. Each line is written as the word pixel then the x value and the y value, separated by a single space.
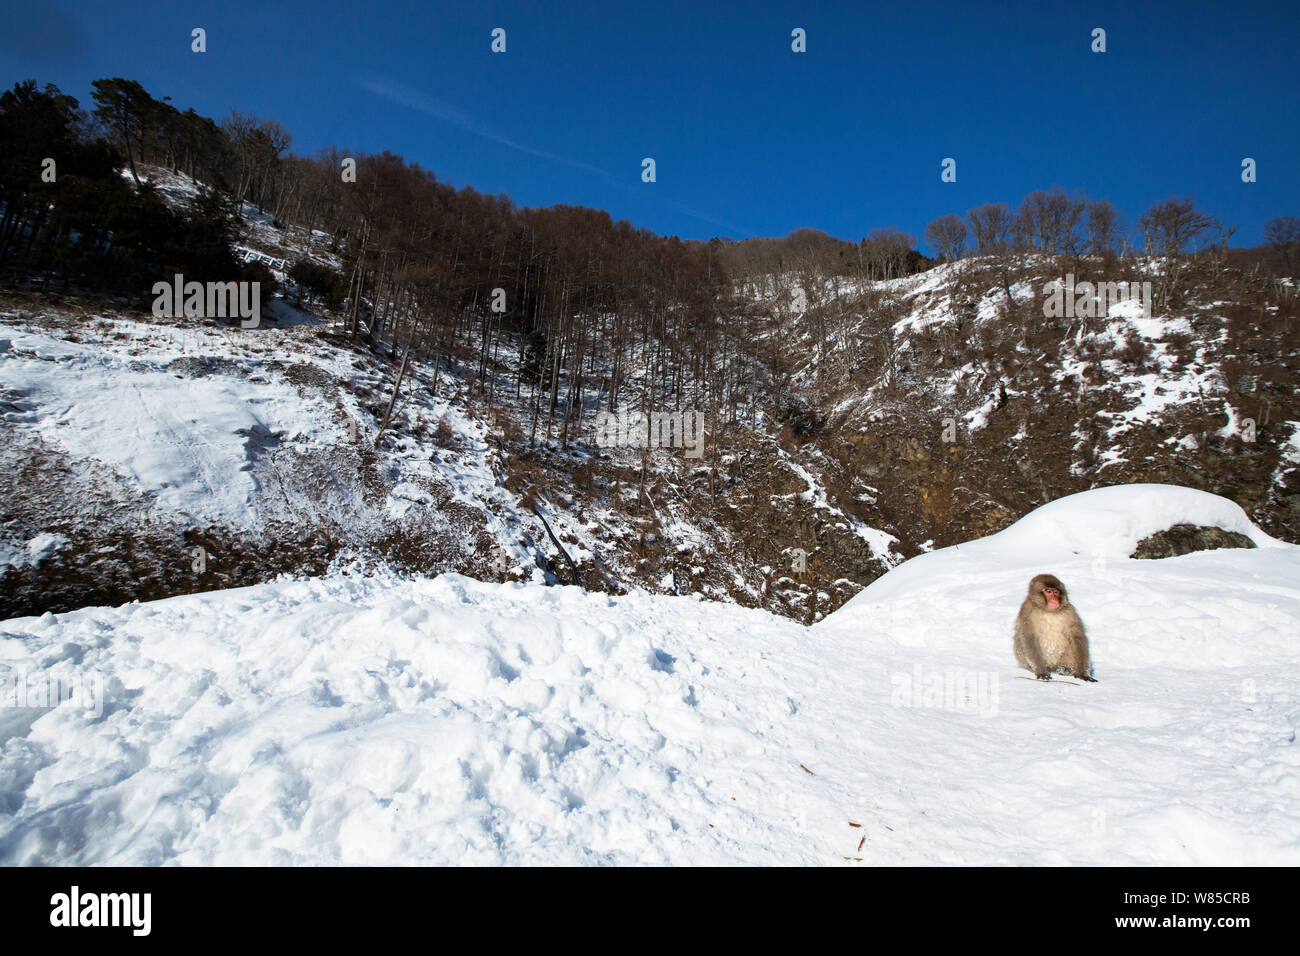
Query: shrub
pixel 444 436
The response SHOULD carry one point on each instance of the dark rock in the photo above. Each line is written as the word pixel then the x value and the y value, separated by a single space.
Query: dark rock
pixel 1186 538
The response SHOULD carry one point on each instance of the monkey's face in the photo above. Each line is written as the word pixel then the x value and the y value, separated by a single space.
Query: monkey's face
pixel 1047 593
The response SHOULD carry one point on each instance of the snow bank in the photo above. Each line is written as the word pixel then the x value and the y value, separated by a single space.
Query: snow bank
pixel 1095 529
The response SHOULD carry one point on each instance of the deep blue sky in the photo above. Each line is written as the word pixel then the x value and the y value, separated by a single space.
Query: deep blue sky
pixel 749 137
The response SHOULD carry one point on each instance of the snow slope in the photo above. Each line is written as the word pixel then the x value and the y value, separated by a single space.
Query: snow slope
pixel 187 442
pixel 374 720
pixel 205 425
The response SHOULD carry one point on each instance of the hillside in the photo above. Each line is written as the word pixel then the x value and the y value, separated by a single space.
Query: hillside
pixel 132 443
pixel 954 405
pixel 881 419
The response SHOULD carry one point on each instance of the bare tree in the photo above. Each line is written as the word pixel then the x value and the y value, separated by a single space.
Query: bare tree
pixel 1048 222
pixel 886 252
pixel 1283 234
pixel 1104 228
pixel 1172 226
pixel 258 144
pixel 990 226
pixel 947 236
pixel 1169 229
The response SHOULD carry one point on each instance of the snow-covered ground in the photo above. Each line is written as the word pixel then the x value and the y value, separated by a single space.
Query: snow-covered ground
pixel 373 720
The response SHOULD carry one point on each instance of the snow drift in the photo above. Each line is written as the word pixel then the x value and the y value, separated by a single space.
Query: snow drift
pixel 352 720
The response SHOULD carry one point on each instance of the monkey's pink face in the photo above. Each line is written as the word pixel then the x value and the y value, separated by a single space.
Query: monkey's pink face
pixel 1053 596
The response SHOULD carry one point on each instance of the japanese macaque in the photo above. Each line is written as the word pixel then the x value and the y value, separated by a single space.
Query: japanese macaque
pixel 1049 634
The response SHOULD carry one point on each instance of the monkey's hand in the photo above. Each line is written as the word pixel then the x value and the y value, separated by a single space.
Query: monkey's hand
pixel 1090 680
pixel 1045 675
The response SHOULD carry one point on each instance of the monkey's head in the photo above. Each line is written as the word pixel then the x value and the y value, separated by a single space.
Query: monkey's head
pixel 1047 592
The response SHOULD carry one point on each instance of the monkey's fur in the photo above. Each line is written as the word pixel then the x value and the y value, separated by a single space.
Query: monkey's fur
pixel 1051 638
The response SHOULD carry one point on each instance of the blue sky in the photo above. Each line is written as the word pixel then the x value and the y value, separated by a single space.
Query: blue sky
pixel 749 138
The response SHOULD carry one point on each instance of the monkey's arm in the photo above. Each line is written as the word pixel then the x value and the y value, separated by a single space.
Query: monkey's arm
pixel 1028 646
pixel 1079 662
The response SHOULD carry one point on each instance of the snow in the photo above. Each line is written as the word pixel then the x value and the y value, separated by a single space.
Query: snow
pixel 187 441
pixel 34 552
pixel 1156 328
pixel 1104 521
pixel 368 720
pixel 1291 452
pixel 978 418
pixel 202 424
pixel 1156 394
